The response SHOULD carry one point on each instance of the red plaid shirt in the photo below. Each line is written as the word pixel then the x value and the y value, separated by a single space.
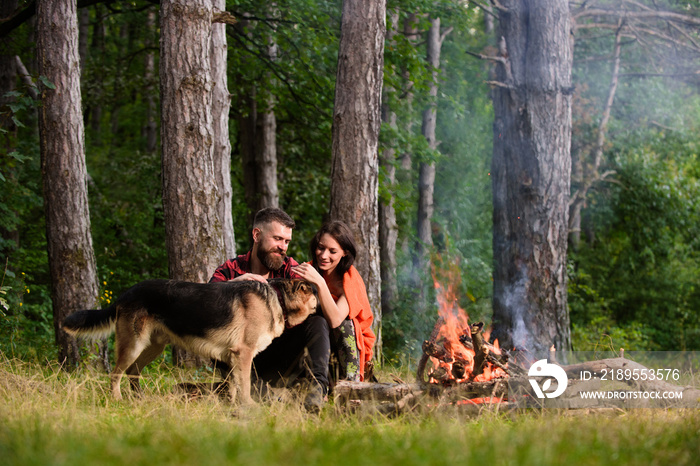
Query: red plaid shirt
pixel 233 268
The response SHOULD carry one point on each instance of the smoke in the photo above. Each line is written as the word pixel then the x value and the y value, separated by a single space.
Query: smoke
pixel 516 301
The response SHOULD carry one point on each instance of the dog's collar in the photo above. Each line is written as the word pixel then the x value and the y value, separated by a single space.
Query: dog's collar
pixel 280 298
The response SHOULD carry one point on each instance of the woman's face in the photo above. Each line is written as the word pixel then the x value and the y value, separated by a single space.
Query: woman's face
pixel 328 254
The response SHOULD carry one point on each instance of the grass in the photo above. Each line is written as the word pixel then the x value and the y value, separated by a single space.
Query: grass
pixel 49 416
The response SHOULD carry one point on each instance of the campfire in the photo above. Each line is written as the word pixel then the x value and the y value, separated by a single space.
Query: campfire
pixel 459 351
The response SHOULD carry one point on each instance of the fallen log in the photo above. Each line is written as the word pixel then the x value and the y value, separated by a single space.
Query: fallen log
pixel 603 369
pixel 345 391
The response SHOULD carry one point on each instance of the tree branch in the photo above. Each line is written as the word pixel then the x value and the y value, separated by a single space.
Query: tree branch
pixel 26 78
pixel 7 25
pixel 484 8
pixel 496 4
pixel 486 57
pixel 499 84
pixel 444 34
pixel 223 17
pixel 626 14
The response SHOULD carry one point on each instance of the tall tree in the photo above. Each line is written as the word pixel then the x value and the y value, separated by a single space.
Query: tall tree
pixel 257 121
pixel 150 128
pixel 426 175
pixel 531 174
pixel 355 132
pixel 193 227
pixel 388 229
pixel 71 256
pixel 221 104
pixel 266 130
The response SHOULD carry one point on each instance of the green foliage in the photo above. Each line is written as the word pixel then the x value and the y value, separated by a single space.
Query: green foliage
pixel 641 270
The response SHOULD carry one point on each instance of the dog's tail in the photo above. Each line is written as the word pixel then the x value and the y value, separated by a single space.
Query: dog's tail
pixel 91 323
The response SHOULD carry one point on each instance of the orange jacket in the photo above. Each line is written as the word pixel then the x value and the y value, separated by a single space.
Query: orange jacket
pixel 360 314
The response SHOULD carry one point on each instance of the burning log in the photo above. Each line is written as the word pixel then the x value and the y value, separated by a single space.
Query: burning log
pixel 483 353
pixel 466 340
pixel 480 349
pixel 459 369
pixel 440 374
pixel 420 373
pixel 433 349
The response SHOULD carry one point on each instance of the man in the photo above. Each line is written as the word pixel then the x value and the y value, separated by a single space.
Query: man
pixel 283 359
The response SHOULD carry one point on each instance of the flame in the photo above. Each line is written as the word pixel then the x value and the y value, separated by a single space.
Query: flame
pixel 455 324
pixel 478 401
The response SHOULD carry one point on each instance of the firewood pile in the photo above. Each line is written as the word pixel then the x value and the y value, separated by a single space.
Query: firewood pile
pixel 477 359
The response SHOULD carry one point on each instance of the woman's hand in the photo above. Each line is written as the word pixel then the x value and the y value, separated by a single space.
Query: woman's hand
pixel 334 312
pixel 309 273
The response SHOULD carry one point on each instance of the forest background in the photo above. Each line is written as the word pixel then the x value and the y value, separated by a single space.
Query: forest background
pixel 633 276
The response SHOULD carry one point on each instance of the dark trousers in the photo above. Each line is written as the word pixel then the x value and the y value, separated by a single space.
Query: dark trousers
pixel 297 351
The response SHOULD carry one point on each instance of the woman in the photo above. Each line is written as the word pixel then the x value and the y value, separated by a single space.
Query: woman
pixel 343 297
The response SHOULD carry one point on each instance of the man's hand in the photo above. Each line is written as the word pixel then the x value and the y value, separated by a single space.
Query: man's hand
pixel 250 276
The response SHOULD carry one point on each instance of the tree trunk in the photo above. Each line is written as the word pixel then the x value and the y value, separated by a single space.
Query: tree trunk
pixel 194 236
pixel 266 134
pixel 119 97
pixel 410 30
pixel 71 256
pixel 150 130
pixel 221 103
pixel 388 229
pixel 96 98
pixel 488 19
pixel 246 111
pixel 356 123
pixel 405 176
pixel 426 175
pixel 531 175
pixel 190 199
pixel 246 116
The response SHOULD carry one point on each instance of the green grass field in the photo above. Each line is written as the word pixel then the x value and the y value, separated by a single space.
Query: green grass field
pixel 49 416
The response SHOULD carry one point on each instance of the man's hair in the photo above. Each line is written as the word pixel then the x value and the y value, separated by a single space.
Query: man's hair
pixel 346 240
pixel 273 214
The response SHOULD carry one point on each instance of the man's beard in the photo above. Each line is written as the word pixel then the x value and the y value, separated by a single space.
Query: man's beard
pixel 270 261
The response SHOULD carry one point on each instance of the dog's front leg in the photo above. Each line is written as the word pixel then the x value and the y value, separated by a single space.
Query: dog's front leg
pixel 241 363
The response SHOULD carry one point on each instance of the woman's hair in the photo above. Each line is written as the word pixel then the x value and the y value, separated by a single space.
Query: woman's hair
pixel 343 235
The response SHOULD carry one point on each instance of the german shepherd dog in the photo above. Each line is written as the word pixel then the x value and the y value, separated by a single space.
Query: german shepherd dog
pixel 230 322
